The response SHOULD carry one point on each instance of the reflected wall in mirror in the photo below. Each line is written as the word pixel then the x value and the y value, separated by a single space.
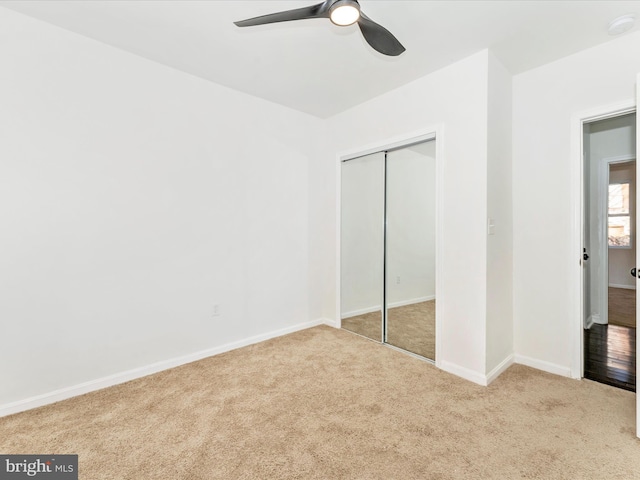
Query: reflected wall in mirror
pixel 362 245
pixel 411 249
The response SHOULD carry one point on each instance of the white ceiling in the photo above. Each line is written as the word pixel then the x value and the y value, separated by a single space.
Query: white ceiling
pixel 318 68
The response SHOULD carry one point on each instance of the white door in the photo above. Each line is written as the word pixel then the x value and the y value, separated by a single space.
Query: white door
pixel 637 257
pixel 586 242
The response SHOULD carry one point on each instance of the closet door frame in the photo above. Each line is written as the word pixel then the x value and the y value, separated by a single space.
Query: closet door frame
pixel 436 133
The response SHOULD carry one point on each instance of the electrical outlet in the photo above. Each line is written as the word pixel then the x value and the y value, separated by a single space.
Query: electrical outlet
pixel 216 310
pixel 398 280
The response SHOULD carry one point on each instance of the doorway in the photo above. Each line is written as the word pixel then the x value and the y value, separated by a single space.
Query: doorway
pixel 388 247
pixel 609 251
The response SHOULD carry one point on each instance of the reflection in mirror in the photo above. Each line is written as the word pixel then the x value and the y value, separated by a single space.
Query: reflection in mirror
pixel 410 249
pixel 362 245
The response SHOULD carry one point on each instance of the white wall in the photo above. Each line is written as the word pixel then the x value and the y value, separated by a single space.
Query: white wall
pixel 499 334
pixel 455 97
pixel 133 198
pixel 544 101
pixel 411 225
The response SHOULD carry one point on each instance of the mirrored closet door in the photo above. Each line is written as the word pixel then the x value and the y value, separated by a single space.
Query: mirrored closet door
pixel 388 250
pixel 362 245
pixel 411 248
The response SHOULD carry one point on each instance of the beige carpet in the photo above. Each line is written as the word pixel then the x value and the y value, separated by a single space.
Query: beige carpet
pixel 622 307
pixel 326 404
pixel 411 327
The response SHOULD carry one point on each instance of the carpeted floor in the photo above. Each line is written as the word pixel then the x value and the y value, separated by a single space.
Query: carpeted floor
pixel 326 404
pixel 622 307
pixel 411 327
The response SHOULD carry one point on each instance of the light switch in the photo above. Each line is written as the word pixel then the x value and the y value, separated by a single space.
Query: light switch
pixel 490 227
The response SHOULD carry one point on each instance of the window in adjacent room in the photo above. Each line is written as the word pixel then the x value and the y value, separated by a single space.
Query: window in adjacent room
pixel 619 215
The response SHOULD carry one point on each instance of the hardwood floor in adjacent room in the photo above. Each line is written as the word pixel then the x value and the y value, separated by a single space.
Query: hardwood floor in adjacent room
pixel 610 350
pixel 610 355
pixel 622 307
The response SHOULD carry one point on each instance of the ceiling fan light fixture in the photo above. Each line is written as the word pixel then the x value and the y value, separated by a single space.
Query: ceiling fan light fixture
pixel 341 13
pixel 344 12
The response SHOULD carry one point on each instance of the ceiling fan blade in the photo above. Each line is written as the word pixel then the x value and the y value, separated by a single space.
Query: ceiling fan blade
pixel 379 37
pixel 315 11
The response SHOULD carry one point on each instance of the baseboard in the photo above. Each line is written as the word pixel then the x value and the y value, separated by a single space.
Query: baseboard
pixel 590 322
pixel 477 377
pixel 330 322
pixel 122 377
pixel 362 311
pixel 404 303
pixel 377 308
pixel 627 287
pixel 462 372
pixel 502 366
pixel 543 365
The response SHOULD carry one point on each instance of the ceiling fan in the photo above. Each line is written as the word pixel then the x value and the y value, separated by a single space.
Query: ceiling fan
pixel 342 13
